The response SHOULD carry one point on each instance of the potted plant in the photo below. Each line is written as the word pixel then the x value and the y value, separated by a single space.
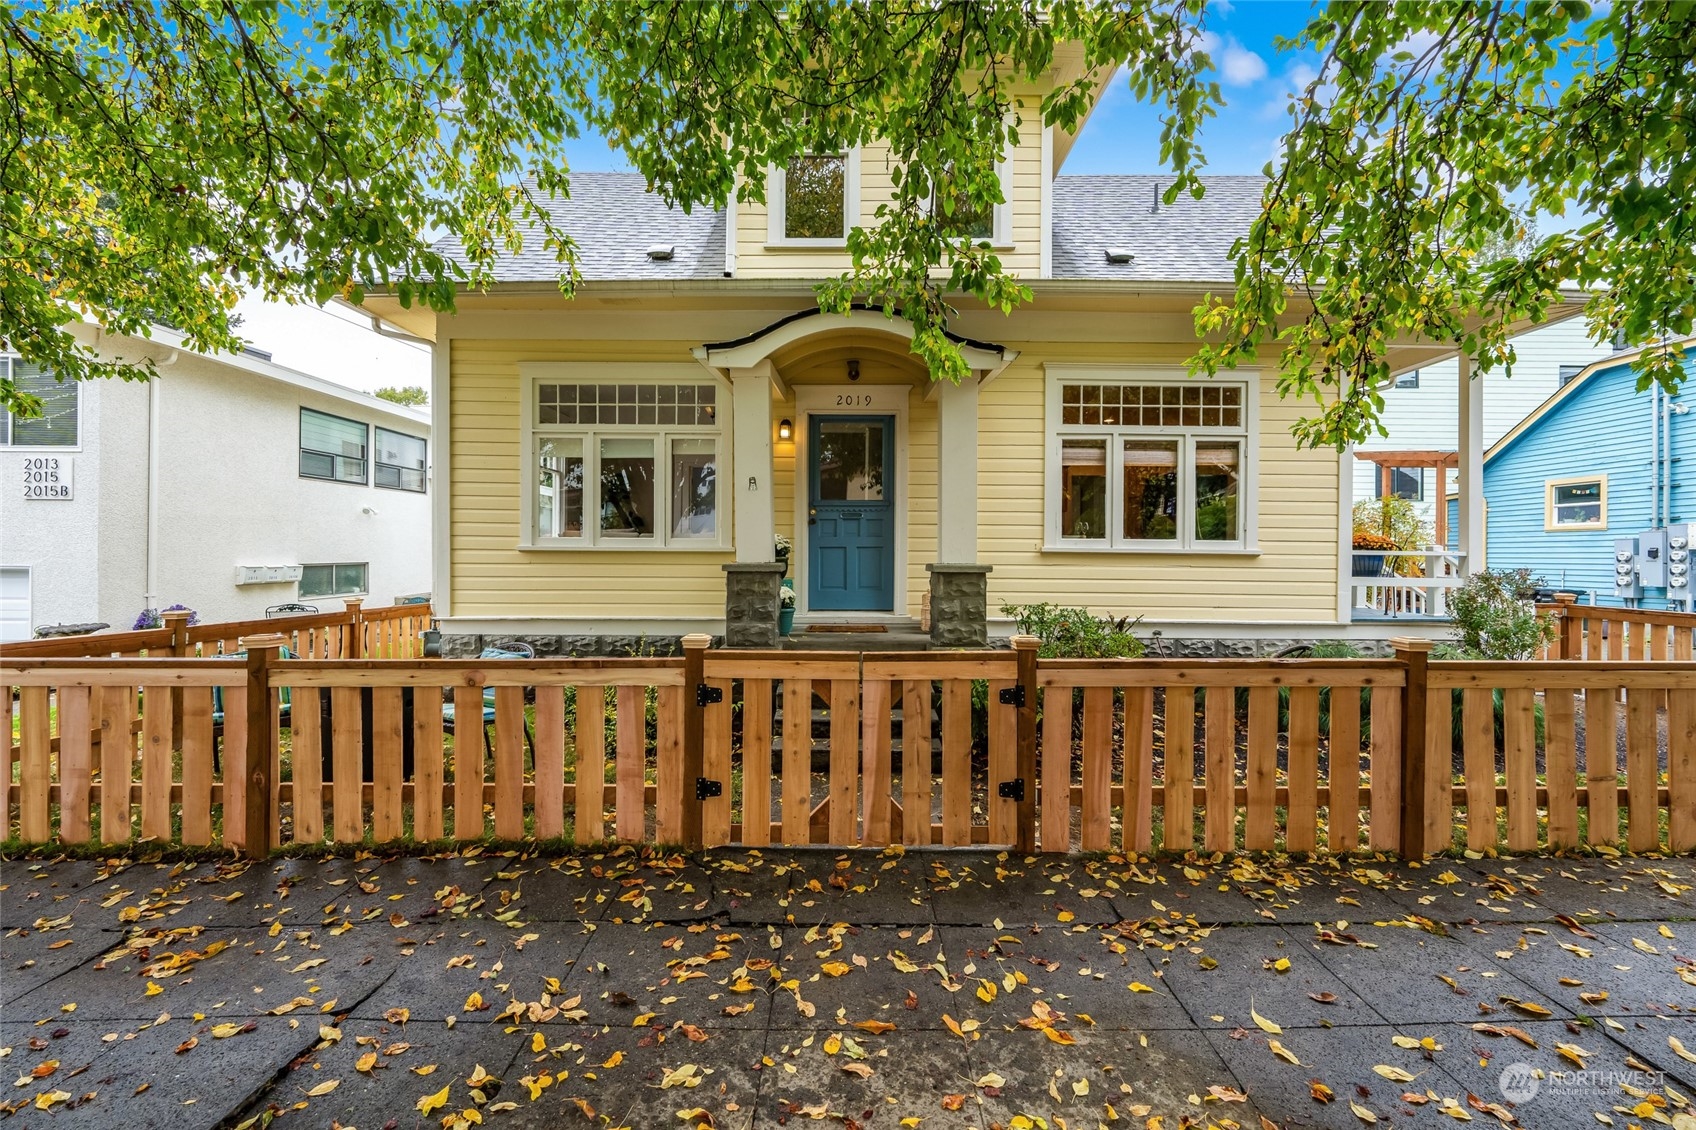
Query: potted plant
pixel 785 609
pixel 1371 564
pixel 781 548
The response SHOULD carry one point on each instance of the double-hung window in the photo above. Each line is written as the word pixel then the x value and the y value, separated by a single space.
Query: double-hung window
pixel 1148 462
pixel 400 461
pixel 1576 504
pixel 957 214
pixel 56 426
pixel 619 458
pixel 332 447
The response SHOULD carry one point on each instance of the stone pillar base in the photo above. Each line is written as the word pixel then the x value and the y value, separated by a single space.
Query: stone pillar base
pixel 751 603
pixel 959 605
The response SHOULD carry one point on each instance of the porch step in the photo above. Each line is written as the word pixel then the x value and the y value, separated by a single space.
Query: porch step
pixel 897 638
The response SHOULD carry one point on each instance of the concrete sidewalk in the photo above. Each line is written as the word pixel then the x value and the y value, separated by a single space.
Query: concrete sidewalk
pixel 939 989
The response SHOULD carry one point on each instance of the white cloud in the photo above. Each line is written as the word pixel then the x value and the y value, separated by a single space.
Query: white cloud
pixel 1238 66
pixel 1416 45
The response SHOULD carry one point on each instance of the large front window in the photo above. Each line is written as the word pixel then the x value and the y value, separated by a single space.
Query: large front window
pixel 1144 464
pixel 626 463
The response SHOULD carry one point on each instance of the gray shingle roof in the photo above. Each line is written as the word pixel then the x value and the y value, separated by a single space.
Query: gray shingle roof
pixel 614 220
pixel 1189 241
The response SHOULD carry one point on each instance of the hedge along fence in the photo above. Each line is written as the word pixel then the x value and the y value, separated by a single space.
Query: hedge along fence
pixel 756 748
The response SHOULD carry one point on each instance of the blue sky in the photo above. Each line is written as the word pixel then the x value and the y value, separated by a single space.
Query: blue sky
pixel 1122 136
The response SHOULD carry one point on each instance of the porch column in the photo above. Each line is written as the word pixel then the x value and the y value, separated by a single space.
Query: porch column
pixel 957 472
pixel 959 586
pixel 1470 474
pixel 750 430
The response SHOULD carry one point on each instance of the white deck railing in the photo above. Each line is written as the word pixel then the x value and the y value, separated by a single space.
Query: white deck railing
pixel 1391 592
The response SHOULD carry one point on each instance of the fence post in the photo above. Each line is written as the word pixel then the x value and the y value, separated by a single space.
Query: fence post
pixel 1024 648
pixel 177 624
pixel 355 630
pixel 261 811
pixel 1571 641
pixel 694 734
pixel 1414 655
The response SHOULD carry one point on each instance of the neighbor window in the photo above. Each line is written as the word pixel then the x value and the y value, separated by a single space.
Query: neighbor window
pixel 400 461
pixel 345 578
pixel 1570 371
pixel 1408 483
pixel 1408 380
pixel 626 462
pixel 1148 464
pixel 331 447
pixel 813 200
pixel 1576 504
pixel 56 426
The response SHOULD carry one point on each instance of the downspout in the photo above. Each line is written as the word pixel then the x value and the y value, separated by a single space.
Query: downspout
pixel 1655 455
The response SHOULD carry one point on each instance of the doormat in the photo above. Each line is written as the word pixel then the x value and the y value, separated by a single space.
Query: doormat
pixel 846 628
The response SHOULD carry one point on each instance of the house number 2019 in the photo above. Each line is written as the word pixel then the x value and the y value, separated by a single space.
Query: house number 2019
pixel 854 400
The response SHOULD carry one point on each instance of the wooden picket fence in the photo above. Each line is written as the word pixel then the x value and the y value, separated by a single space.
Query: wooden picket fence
pixel 1595 632
pixel 722 747
pixel 355 632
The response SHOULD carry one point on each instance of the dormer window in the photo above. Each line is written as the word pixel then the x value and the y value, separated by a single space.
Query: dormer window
pixel 956 212
pixel 814 199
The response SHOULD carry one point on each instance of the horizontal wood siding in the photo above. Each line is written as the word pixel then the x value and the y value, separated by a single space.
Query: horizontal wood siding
pixel 491 575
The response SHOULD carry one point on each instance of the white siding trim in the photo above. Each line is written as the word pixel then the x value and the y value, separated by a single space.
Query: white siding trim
pixel 751 441
pixel 1045 268
pixel 957 472
pixel 440 475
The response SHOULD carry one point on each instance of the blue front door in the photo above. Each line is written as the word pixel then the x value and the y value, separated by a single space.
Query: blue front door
pixel 851 523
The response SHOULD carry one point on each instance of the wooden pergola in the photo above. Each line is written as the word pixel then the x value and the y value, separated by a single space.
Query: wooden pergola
pixel 1389 462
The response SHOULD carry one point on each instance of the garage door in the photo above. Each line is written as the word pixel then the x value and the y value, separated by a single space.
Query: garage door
pixel 14 604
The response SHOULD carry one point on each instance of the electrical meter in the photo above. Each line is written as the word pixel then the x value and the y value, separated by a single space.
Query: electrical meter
pixel 1626 584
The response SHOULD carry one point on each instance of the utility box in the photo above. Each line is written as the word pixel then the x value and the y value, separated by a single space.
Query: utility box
pixel 1680 539
pixel 1626 584
pixel 1652 559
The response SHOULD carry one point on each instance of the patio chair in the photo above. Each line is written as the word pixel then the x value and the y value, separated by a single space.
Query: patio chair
pixel 289 609
pixel 517 651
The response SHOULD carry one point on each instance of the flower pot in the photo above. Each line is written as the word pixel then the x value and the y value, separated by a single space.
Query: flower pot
pixel 1369 564
pixel 785 621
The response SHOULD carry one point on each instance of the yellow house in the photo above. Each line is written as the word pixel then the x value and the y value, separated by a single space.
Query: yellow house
pixel 621 465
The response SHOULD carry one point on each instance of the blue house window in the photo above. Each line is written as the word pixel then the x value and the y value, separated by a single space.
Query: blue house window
pixel 1405 483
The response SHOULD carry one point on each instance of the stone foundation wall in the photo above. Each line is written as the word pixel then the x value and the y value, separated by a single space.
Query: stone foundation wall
pixel 551 647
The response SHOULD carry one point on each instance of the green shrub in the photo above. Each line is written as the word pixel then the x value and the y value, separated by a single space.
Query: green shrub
pixel 1075 633
pixel 1495 614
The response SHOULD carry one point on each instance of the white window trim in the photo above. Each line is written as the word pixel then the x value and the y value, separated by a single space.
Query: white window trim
pixel 777 206
pixel 1055 375
pixel 45 449
pixel 532 373
pixel 1553 527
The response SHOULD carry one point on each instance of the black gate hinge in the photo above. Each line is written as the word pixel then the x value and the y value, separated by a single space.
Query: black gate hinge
pixel 706 788
pixel 706 695
pixel 1013 696
pixel 1011 790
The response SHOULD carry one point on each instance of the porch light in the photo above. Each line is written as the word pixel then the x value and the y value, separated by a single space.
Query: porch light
pixel 785 430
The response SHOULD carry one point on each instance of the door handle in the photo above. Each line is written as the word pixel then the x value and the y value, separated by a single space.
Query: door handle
pixel 812 521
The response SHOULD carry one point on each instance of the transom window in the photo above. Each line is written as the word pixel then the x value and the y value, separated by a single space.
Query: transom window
pixel 56 426
pixel 1144 464
pixel 626 463
pixel 1576 504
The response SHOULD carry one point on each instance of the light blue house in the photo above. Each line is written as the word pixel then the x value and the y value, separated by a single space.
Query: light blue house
pixel 1596 462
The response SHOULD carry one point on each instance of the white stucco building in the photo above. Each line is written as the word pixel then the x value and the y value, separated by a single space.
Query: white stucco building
pixel 1420 409
pixel 228 484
